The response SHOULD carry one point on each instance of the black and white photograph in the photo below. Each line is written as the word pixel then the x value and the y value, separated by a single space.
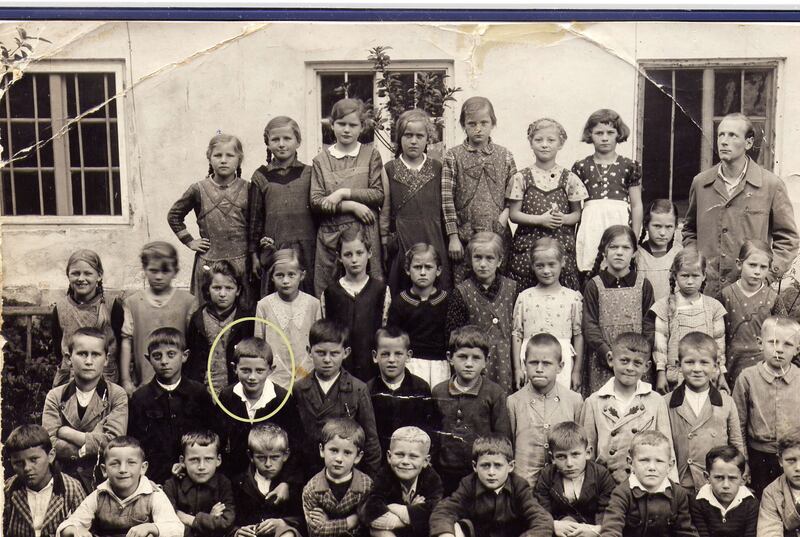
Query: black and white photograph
pixel 401 277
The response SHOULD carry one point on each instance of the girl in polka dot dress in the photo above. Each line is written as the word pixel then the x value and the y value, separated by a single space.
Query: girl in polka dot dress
pixel 749 301
pixel 614 183
pixel 544 201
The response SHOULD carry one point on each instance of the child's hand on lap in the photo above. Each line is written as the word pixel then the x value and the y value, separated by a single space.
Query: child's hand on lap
pixel 565 528
pixel 75 531
pixel 200 245
pixel 387 521
pixel 143 530
pixel 279 494
pixel 317 516
pixel 218 509
pixel 585 530
pixel 266 527
pixel 246 531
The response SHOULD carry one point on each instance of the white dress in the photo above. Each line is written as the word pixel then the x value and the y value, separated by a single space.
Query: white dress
pixel 559 314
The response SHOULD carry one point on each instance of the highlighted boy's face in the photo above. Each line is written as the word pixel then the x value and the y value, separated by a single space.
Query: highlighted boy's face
pixel 160 274
pixel 779 345
pixel 391 356
pixel 650 464
pixel 423 270
pixel 493 470
pixel 252 373
pixel 698 368
pixel 328 357
pixel 282 142
pixel 201 462
pixel 790 462
pixel 32 466
pixel 340 456
pixel 725 479
pixel 167 361
pixel 628 366
pixel 223 292
pixel 88 357
pixel 83 280
pixel 123 467
pixel 269 462
pixel 571 462
pixel 407 459
pixel 542 365
pixel 468 363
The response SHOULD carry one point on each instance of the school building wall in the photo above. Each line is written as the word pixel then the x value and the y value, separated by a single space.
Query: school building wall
pixel 185 81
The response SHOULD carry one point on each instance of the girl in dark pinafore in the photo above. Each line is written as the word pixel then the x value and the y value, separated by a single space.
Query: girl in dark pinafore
pixel 414 199
pixel 545 201
pixel 280 211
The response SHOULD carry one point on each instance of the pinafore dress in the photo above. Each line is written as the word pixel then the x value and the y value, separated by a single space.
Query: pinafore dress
pixel 326 270
pixel 416 216
pixel 620 311
pixel 288 221
pixel 538 201
pixel 495 319
pixel 223 221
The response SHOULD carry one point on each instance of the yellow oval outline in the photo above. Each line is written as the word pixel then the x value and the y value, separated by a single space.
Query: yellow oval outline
pixel 291 380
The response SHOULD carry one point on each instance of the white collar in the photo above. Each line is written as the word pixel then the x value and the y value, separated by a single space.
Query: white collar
pixel 145 487
pixel 416 167
pixel 326 384
pixel 337 153
pixel 266 396
pixel 634 482
pixel 169 387
pixel 707 494
pixel 84 398
pixel 394 386
pixel 262 483
pixel 607 390
pixel 47 489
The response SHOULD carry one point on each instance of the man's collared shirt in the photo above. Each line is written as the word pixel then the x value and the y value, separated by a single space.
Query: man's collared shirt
pixel 266 396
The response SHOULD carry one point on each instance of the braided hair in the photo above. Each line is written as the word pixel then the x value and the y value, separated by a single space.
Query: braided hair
pixel 611 233
pixel 224 139
pixel 659 206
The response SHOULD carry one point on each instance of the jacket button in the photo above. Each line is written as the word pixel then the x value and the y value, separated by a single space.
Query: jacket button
pixel 690 435
pixel 612 451
pixel 634 430
pixel 713 434
pixel 689 461
pixel 614 432
pixel 724 230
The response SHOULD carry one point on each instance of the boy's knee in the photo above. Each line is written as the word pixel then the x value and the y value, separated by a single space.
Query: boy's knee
pixel 464 528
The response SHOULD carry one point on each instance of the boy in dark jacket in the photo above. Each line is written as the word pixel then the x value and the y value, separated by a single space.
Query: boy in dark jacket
pixel 492 501
pixel 406 490
pixel 169 406
pixel 574 488
pixel 267 496
pixel 399 398
pixel 332 392
pixel 648 503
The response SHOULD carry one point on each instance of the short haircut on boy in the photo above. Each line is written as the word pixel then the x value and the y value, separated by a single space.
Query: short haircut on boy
pixel 700 342
pixel 267 437
pixel 632 342
pixel 27 436
pixel 344 428
pixel 392 332
pixel 469 336
pixel 411 434
pixel 199 438
pixel 650 437
pixel 123 441
pixel 159 251
pixel 779 321
pixel 543 339
pixel 166 335
pixel 726 454
pixel 788 442
pixel 253 347
pixel 224 268
pixel 89 331
pixel 565 436
pixel 493 444
pixel 328 331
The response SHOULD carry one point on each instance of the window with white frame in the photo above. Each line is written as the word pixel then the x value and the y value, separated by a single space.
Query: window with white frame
pixel 334 82
pixel 681 106
pixel 60 162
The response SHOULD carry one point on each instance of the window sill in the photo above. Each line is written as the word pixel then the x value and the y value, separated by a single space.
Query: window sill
pixel 13 222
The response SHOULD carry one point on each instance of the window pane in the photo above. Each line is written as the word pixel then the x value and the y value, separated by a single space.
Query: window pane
pixel 95 147
pixel 69 82
pixel 77 200
pixel 112 105
pixel 117 195
pixel 114 145
pixel 46 150
pixel 331 91
pixel 727 92
pixel 23 135
pixel 26 187
pixel 688 133
pixel 756 91
pixel 656 133
pixel 21 95
pixel 92 93
pixel 4 139
pixel 758 151
pixel 8 208
pixel 97 191
pixel 49 192
pixel 43 95
pixel 74 138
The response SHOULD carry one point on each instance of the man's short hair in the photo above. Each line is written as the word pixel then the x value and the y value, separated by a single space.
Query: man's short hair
pixel 411 434
pixel 166 335
pixel 267 437
pixel 700 342
pixel 199 438
pixel 726 454
pixel 328 331
pixel 471 337
pixel 632 342
pixel 493 444
pixel 392 332
pixel 123 441
pixel 543 340
pixel 344 428
pixel 89 331
pixel 651 437
pixel 253 347
pixel 565 436
pixel 27 436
